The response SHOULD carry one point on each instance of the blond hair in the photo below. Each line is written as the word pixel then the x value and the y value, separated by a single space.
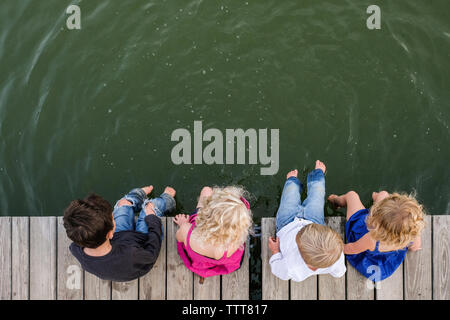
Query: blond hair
pixel 223 219
pixel 396 220
pixel 319 246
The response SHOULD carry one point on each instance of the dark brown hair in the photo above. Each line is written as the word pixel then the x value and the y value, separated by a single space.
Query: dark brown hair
pixel 88 221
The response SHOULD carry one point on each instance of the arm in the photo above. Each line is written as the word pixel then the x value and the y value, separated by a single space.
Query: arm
pixel 278 266
pixel 182 232
pixel 363 244
pixel 277 263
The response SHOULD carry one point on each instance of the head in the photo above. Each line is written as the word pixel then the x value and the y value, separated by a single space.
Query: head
pixel 224 220
pixel 319 246
pixel 396 220
pixel 89 222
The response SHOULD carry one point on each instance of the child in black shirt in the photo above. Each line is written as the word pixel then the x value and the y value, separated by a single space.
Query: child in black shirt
pixel 108 243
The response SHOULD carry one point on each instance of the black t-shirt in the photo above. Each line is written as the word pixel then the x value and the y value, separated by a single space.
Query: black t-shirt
pixel 133 254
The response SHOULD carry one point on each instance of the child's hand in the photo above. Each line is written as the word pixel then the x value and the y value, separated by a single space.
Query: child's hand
pixel 181 219
pixel 274 245
pixel 292 173
pixel 170 191
pixel 147 190
pixel 320 165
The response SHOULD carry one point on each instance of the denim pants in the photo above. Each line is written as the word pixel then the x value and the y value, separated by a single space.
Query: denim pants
pixel 291 205
pixel 124 215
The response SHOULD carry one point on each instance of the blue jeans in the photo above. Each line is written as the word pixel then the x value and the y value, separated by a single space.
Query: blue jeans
pixel 291 205
pixel 124 215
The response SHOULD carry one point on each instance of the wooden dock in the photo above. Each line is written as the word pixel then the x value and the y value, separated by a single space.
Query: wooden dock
pixel 35 264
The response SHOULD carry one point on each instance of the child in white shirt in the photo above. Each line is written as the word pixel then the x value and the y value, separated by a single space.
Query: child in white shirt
pixel 304 245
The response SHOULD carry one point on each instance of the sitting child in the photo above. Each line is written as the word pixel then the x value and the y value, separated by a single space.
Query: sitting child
pixel 212 240
pixel 106 241
pixel 304 245
pixel 378 238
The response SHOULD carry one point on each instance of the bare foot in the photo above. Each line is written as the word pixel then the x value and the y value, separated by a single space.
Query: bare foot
pixel 170 191
pixel 292 173
pixel 336 201
pixel 147 190
pixel 320 165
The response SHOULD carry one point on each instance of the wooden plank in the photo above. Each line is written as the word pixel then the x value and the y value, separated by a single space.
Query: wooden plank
pixel 273 288
pixel 418 266
pixel 125 290
pixel 208 290
pixel 304 290
pixel 441 257
pixel 5 258
pixel 96 288
pixel 331 288
pixel 43 258
pixel 392 287
pixel 236 285
pixel 20 258
pixel 179 278
pixel 358 286
pixel 152 286
pixel 70 275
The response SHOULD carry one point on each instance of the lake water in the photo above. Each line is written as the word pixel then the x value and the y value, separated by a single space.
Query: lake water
pixel 94 109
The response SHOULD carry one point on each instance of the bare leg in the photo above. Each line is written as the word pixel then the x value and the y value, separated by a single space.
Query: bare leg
pixel 350 200
pixel 206 192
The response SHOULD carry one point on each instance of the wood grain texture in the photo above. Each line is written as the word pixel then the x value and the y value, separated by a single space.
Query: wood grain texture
pixel 392 287
pixel 42 258
pixel 20 258
pixel 5 258
pixel 304 290
pixel 70 274
pixel 273 288
pixel 96 288
pixel 331 288
pixel 152 286
pixel 418 268
pixel 358 286
pixel 179 278
pixel 236 285
pixel 125 290
pixel 208 290
pixel 441 257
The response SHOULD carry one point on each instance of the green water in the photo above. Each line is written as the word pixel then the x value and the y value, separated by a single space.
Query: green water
pixel 93 109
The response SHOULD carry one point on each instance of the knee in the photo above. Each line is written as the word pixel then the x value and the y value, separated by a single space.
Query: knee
pixel 206 191
pixel 124 202
pixel 352 195
pixel 383 194
pixel 149 208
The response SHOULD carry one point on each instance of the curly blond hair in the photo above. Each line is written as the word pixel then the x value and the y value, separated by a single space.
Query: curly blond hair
pixel 223 218
pixel 396 220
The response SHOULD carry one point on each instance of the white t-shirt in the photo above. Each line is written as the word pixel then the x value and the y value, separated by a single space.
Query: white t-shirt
pixel 288 264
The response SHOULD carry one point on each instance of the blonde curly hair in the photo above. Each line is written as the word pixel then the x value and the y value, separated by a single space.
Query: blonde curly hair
pixel 223 218
pixel 396 220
